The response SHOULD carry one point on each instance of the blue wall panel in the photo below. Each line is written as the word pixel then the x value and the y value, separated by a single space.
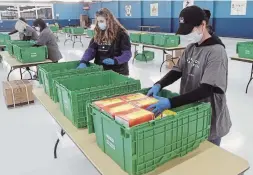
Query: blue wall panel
pixel 164 15
pixel 130 22
pixel 113 6
pixel 68 10
pixel 93 9
pixel 230 25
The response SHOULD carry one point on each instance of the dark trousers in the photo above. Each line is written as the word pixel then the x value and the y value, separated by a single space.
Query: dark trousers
pixel 216 141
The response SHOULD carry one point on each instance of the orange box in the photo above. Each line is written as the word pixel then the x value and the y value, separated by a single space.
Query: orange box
pixel 145 102
pixel 119 109
pixel 133 97
pixel 135 117
pixel 109 102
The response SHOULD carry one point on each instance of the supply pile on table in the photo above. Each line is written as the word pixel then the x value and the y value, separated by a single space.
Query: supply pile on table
pixel 245 49
pixel 114 107
pixel 24 51
pixel 160 40
pixel 74 30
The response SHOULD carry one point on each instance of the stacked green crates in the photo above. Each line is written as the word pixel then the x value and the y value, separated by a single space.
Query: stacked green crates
pixel 145 56
pixel 147 38
pixel 54 28
pixel 77 30
pixel 11 43
pixel 4 38
pixel 77 91
pixel 90 33
pixel 142 148
pixel 245 49
pixel 66 29
pixel 164 40
pixel 135 37
pixel 49 72
pixel 28 54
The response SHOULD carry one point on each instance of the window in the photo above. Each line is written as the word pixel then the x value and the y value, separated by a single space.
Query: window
pixel 27 11
pixel 45 12
pixel 8 12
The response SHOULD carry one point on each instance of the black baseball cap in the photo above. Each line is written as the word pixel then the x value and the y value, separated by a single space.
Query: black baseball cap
pixel 189 18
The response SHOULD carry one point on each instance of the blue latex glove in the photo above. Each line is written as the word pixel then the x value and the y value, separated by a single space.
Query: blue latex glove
pixel 109 61
pixel 82 66
pixel 158 108
pixel 154 90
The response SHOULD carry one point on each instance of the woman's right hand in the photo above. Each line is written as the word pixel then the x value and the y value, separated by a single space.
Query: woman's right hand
pixel 82 66
pixel 154 90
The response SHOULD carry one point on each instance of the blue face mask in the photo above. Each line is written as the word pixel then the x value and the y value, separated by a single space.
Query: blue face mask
pixel 102 26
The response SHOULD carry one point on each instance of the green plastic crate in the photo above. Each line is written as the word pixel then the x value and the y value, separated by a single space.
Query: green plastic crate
pixel 90 33
pixel 135 37
pixel 48 72
pixel 143 148
pixel 4 38
pixel 245 49
pixel 147 38
pixel 66 29
pixel 163 40
pixel 77 31
pixel 26 54
pixel 54 29
pixel 10 44
pixel 145 56
pixel 77 91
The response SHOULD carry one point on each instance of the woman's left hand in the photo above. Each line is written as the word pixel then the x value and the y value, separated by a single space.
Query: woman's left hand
pixel 108 61
pixel 158 108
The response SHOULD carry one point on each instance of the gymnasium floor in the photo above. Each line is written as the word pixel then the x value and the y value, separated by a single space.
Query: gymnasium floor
pixel 28 133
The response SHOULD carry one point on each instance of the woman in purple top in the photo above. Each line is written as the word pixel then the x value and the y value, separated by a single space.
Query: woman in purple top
pixel 110 46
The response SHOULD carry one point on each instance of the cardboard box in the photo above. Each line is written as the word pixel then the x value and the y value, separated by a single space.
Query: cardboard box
pixel 145 102
pixel 135 117
pixel 119 109
pixel 133 97
pixel 18 92
pixel 171 62
pixel 109 102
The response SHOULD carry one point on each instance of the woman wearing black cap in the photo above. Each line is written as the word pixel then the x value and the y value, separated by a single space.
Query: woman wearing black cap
pixel 203 70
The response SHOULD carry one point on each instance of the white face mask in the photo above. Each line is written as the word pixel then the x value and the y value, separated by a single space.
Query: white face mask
pixel 194 37
pixel 102 25
pixel 37 28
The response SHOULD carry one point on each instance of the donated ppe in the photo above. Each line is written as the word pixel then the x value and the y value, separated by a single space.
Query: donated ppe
pixel 194 37
pixel 82 66
pixel 108 61
pixel 37 29
pixel 119 50
pixel 158 108
pixel 154 90
pixel 102 25
pixel 48 39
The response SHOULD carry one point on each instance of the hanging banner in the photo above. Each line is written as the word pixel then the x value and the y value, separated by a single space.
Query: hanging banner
pixel 238 7
pixel 154 9
pixel 188 3
pixel 128 10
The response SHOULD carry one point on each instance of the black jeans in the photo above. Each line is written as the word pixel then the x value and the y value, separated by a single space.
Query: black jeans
pixel 216 141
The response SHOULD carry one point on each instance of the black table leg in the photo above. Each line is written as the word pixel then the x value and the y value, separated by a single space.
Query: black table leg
pixel 8 77
pixel 73 45
pixel 164 60
pixel 56 144
pixel 135 53
pixel 251 78
pixel 21 74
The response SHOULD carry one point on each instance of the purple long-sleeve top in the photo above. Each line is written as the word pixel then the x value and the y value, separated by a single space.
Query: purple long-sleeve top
pixel 119 50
